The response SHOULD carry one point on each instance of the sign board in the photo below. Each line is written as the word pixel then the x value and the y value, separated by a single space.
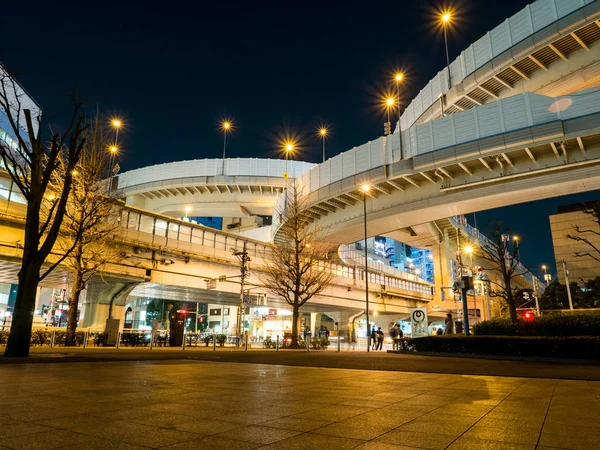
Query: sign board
pixel 272 312
pixel 418 319
pixel 211 284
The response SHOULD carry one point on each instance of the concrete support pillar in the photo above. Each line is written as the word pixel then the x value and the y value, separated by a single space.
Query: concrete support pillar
pixel 104 300
pixel 315 322
pixel 344 318
pixel 442 269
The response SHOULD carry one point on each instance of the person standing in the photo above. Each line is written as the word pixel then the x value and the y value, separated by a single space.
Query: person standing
pixel 373 338
pixel 379 339
pixel 449 324
pixel 394 336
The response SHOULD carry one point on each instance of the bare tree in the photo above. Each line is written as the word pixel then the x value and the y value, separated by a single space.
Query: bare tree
pixel 32 161
pixel 587 236
pixel 296 268
pixel 91 219
pixel 502 256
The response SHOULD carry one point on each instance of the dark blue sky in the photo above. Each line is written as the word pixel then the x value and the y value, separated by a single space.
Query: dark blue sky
pixel 171 70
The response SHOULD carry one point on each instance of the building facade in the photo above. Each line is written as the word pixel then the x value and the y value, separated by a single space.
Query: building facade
pixel 562 224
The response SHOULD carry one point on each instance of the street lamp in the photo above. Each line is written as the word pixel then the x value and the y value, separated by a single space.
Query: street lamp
pixel 114 150
pixel 446 20
pixel 187 210
pixel 399 78
pixel 389 102
pixel 517 240
pixel 323 134
pixel 365 189
pixel 116 123
pixel 225 126
pixel 288 148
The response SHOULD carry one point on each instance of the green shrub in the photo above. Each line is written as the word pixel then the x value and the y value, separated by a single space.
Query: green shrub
pixel 583 347
pixel 221 339
pixel 268 342
pixel 3 337
pixel 564 324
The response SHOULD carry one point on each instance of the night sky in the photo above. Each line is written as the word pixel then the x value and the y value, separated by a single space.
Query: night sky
pixel 173 70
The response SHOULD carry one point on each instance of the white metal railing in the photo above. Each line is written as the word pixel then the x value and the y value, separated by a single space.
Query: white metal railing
pixel 251 167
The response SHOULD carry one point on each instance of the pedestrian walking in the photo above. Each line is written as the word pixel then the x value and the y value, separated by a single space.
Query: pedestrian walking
pixel 394 336
pixel 449 324
pixel 373 338
pixel 379 339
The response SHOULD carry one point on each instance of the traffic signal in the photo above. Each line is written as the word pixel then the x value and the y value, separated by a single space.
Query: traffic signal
pixel 528 315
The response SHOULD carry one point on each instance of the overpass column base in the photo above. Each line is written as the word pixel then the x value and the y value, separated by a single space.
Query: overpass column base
pixel 105 300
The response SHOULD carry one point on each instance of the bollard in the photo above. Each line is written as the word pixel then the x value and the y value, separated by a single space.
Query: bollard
pixel 337 331
pixel 52 339
pixel 151 340
pixel 118 340
pixel 307 337
pixel 85 339
pixel 183 342
pixel 277 344
pixel 246 344
pixel 214 342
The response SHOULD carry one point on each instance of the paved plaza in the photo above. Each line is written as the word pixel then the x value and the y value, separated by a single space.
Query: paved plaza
pixel 223 405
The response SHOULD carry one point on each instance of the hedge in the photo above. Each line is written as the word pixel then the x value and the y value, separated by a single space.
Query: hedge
pixel 42 337
pixel 565 324
pixel 584 347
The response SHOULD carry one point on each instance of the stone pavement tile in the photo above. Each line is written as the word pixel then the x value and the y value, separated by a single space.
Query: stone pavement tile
pixel 365 426
pixel 580 419
pixel 75 422
pixel 332 413
pixel 464 443
pixel 207 426
pixel 417 439
pixel 459 409
pixel 135 433
pixel 449 425
pixel 258 434
pixel 246 418
pixel 571 439
pixel 315 441
pixel 383 446
pixel 503 435
pixel 426 399
pixel 531 417
pixel 213 443
pixel 101 444
pixel 295 424
pixel 499 424
pixel 149 417
pixel 20 429
pixel 43 441
pixel 368 403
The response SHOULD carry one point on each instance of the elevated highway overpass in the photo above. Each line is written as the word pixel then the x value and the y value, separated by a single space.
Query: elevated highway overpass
pixel 171 259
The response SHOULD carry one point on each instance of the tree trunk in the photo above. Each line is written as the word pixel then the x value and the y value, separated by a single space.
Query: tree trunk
pixel 295 315
pixel 73 307
pixel 510 301
pixel 22 319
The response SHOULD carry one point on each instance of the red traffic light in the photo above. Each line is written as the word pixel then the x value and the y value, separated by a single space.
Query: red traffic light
pixel 184 312
pixel 528 315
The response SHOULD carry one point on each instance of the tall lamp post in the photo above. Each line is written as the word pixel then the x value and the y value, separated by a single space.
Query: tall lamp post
pixel 323 134
pixel 116 123
pixel 366 188
pixel 398 78
pixel 289 148
pixel 445 20
pixel 114 150
pixel 225 126
pixel 387 128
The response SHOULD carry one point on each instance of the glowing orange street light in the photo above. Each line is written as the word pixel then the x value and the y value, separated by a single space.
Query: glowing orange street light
pixel 323 133
pixel 225 126
pixel 446 20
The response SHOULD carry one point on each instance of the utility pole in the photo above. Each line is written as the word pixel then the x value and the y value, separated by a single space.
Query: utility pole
pixel 244 260
pixel 567 283
pixel 464 288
